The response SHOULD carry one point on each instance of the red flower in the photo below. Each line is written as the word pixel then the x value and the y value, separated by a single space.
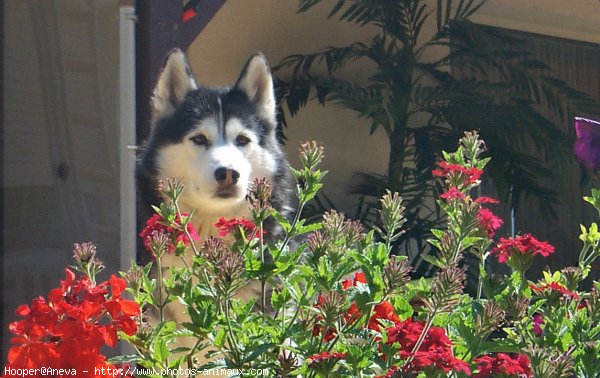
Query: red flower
pixel 457 174
pixel 68 331
pixel 381 311
pixel 324 362
pixel 453 193
pixel 177 238
pixel 326 356
pixel 227 226
pixel 489 221
pixel 504 365
pixel 390 373
pixel 554 287
pixel 484 199
pixel 438 358
pixel 435 352
pixel 522 244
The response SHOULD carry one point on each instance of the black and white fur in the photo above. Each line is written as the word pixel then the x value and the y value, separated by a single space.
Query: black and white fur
pixel 216 141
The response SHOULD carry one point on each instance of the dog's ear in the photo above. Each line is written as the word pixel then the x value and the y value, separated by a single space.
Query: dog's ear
pixel 256 82
pixel 174 83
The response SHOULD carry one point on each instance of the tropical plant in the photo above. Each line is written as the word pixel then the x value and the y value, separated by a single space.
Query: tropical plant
pixel 482 79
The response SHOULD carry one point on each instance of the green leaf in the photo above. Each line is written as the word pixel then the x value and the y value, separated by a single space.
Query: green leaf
pixel 220 338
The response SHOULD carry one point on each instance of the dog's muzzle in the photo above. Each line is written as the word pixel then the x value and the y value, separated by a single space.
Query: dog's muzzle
pixel 227 179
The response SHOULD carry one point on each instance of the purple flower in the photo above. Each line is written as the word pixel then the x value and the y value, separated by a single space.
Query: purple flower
pixel 587 146
pixel 538 320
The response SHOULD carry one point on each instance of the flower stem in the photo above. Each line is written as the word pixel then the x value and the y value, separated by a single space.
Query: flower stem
pixel 263 282
pixel 232 340
pixel 421 337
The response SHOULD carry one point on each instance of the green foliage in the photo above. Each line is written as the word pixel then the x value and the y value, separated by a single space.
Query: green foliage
pixel 341 305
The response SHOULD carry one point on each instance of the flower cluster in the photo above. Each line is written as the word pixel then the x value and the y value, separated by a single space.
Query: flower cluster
pixel 338 303
pixel 538 322
pixel 325 356
pixel 503 365
pixel 324 362
pixel 553 288
pixel 176 238
pixel 457 174
pixel 68 330
pixel 381 311
pixel 521 245
pixel 434 353
pixel 489 221
pixel 246 227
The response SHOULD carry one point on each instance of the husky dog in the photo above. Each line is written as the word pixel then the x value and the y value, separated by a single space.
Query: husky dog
pixel 216 141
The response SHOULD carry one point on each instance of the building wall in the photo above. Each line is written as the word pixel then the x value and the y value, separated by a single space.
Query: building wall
pixel 273 27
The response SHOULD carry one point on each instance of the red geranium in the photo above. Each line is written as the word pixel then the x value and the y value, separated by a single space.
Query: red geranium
pixel 176 236
pixel 521 245
pixel 435 352
pixel 381 311
pixel 68 330
pixel 503 365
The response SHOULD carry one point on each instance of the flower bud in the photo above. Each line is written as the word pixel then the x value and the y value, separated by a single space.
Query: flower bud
pixel 391 216
pixel 333 223
pixel 491 318
pixel 86 262
pixel 395 274
pixel 311 154
pixel 158 243
pixel 446 288
pixel 170 188
pixel 516 307
pixel 135 278
pixel 317 244
pixel 352 232
pixel 332 306
pixel 259 197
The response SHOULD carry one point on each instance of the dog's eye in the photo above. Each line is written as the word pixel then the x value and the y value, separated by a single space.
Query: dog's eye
pixel 242 140
pixel 199 139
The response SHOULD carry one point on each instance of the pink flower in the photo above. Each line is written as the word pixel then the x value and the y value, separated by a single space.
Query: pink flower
pixel 538 320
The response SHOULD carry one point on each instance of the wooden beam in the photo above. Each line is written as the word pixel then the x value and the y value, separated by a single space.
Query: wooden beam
pixel 160 28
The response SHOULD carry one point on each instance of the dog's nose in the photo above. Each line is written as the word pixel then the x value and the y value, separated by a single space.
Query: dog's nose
pixel 226 177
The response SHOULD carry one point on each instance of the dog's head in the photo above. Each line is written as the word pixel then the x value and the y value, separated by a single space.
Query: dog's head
pixel 215 140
